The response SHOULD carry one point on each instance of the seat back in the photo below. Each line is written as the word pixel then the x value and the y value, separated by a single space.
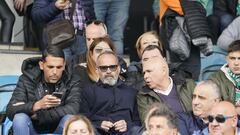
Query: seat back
pixel 212 63
pixel 7 86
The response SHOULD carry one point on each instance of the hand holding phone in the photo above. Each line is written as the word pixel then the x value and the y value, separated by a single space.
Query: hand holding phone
pixel 57 94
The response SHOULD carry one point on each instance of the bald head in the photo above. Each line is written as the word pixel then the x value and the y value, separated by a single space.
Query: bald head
pixel 223 119
pixel 95 31
pixel 225 108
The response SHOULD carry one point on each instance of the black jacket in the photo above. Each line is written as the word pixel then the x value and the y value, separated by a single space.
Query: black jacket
pixel 31 87
pixel 112 103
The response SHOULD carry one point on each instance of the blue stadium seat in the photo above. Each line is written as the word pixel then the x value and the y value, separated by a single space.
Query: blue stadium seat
pixel 7 85
pixel 212 63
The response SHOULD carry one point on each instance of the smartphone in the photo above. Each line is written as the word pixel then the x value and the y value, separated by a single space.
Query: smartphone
pixel 57 94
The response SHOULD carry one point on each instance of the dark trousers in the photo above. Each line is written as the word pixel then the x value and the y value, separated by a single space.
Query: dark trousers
pixel 8 19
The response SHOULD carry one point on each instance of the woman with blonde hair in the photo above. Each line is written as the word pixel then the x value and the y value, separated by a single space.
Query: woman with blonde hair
pixel 78 125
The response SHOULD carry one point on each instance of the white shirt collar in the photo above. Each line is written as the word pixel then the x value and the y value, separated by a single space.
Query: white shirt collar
pixel 167 91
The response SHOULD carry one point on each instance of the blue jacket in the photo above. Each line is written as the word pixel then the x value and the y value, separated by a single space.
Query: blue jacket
pixel 44 11
pixel 102 102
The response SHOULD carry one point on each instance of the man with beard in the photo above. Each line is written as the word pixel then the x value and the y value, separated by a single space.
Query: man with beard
pixel 109 103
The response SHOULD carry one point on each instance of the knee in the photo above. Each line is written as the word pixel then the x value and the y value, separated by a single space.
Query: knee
pixel 21 119
pixel 226 19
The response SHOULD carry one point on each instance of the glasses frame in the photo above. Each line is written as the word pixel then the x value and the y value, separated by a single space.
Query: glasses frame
pixel 112 68
pixel 218 118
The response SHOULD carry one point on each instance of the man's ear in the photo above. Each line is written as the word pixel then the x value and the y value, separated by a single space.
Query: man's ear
pixel 40 63
pixel 234 121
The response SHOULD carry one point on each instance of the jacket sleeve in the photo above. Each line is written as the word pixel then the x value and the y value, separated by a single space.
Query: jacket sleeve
pixel 44 11
pixel 71 105
pixel 230 34
pixel 142 107
pixel 19 102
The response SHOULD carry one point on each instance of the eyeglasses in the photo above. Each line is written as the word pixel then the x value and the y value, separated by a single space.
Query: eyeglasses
pixel 110 67
pixel 219 118
pixel 99 50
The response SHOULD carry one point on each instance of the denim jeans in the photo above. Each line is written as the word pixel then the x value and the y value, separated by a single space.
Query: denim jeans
pixel 115 15
pixel 22 125
pixel 78 47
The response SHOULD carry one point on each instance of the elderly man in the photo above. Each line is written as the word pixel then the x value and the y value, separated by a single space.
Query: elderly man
pixel 228 77
pixel 109 103
pixel 44 96
pixel 222 120
pixel 206 95
pixel 160 87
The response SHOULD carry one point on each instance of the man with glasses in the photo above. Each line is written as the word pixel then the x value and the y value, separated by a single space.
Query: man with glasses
pixel 109 104
pixel 222 120
pixel 228 77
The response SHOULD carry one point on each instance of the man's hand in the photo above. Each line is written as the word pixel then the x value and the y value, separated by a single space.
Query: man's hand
pixel 120 126
pixel 46 102
pixel 106 125
pixel 62 4
pixel 19 4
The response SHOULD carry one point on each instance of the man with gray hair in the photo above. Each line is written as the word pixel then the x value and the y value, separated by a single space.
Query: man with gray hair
pixel 109 103
pixel 206 95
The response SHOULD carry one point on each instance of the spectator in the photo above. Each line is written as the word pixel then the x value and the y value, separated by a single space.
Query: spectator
pixel 45 11
pixel 7 21
pixel 205 95
pixel 224 11
pixel 160 87
pixel 222 120
pixel 87 71
pixel 115 15
pixel 227 78
pixel 78 125
pixel 161 120
pixel 230 34
pixel 45 95
pixel 94 29
pixel 134 74
pixel 109 103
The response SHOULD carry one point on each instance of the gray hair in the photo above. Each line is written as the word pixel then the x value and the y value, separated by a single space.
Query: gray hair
pixel 213 85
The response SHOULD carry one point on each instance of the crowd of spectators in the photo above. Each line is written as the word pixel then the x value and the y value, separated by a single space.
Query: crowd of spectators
pixel 88 88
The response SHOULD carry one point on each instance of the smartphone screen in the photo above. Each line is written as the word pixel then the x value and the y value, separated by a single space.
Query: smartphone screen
pixel 57 94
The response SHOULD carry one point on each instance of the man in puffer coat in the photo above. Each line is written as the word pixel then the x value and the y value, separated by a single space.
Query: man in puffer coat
pixel 33 106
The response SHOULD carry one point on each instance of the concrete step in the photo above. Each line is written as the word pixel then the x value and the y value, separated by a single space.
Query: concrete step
pixel 11 60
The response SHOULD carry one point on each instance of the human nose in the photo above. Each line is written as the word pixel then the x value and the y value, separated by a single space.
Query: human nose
pixel 54 70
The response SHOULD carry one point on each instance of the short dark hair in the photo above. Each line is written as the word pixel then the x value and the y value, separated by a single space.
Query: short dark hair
pixel 234 46
pixel 162 110
pixel 52 51
pixel 152 47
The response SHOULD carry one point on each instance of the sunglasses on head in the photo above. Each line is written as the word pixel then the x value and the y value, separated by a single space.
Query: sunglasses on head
pixel 99 50
pixel 110 67
pixel 219 118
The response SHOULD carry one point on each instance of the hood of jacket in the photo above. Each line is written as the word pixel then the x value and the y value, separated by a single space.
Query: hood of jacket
pixel 30 68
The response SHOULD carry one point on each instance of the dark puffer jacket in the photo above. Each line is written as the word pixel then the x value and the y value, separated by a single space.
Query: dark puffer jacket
pixel 196 21
pixel 31 87
pixel 44 11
